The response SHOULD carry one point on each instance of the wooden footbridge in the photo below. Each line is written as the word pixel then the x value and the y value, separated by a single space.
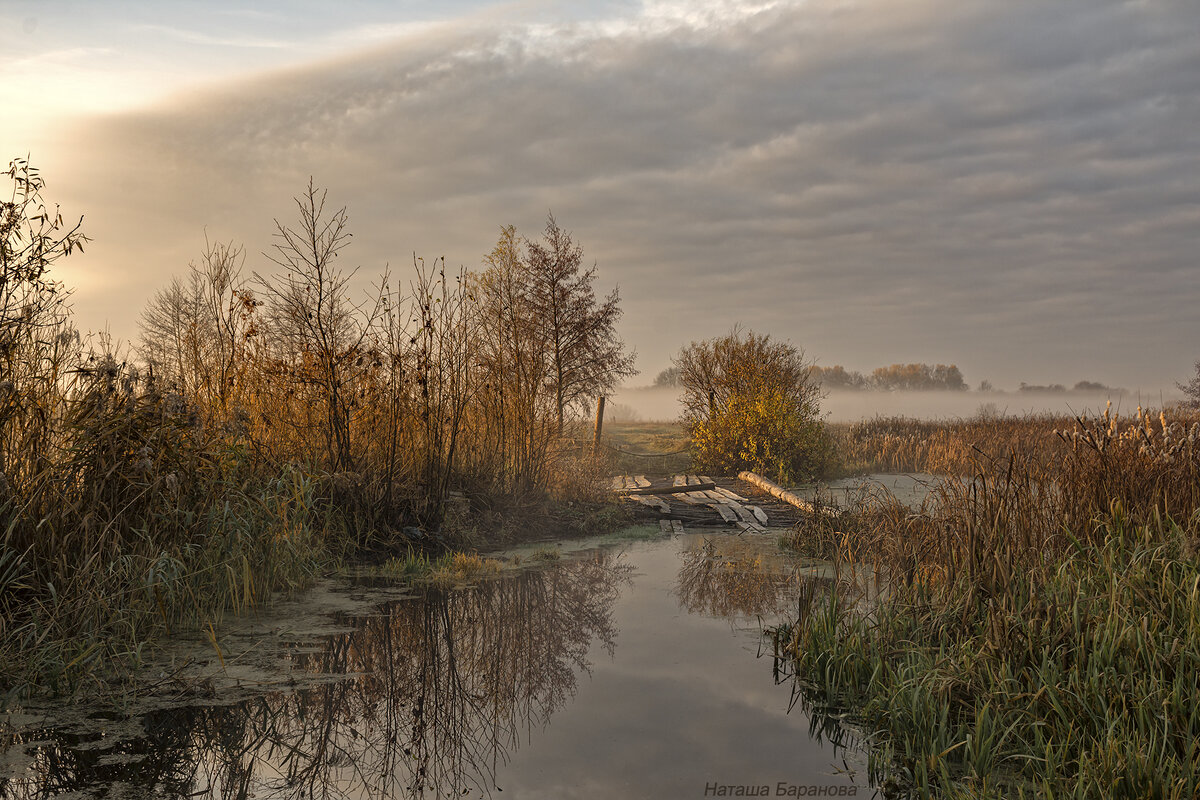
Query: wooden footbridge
pixel 747 504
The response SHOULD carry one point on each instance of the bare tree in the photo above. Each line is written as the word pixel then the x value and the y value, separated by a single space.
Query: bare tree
pixel 195 331
pixel 36 337
pixel 318 332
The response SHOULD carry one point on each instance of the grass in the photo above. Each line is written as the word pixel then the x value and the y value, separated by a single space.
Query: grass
pixel 1041 635
pixel 656 448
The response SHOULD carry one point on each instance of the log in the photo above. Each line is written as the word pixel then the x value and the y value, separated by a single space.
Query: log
pixel 783 494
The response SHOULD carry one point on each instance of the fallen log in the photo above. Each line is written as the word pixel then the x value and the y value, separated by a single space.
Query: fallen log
pixel 783 494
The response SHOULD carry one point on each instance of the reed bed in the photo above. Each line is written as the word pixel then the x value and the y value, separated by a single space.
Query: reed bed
pixel 1041 635
pixel 266 427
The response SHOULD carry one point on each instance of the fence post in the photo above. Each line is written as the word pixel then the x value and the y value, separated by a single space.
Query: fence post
pixel 599 423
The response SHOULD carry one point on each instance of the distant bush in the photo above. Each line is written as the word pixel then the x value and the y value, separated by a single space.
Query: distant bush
pixel 752 403
pixel 668 377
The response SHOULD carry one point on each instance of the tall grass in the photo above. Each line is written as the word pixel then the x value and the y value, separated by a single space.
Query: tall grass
pixel 263 429
pixel 1042 632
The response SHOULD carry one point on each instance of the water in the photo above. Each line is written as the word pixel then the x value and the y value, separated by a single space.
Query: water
pixel 631 670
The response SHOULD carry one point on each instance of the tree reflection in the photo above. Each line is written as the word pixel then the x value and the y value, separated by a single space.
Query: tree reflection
pixel 729 576
pixel 447 686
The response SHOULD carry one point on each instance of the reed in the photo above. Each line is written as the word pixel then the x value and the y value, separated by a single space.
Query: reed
pixel 265 429
pixel 1042 630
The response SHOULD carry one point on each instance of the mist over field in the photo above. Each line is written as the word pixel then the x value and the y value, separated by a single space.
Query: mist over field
pixel 648 404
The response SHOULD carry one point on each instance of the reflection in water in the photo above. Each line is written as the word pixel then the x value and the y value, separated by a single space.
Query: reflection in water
pixel 730 576
pixel 740 577
pixel 448 685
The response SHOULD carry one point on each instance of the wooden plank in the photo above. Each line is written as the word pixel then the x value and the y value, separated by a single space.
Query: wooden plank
pixel 679 480
pixel 642 481
pixel 715 496
pixel 727 513
pixel 705 479
pixel 693 480
pixel 653 502
pixel 758 513
pixel 728 495
pixel 693 498
pixel 664 525
pixel 618 482
pixel 744 515
pixel 748 527
pixel 676 526
pixel 651 489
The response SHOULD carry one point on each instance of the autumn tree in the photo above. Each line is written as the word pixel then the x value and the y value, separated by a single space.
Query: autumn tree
pixel 37 341
pixel 586 356
pixel 752 403
pixel 521 413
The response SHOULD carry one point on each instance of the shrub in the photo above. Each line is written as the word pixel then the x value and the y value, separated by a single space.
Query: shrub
pixel 751 403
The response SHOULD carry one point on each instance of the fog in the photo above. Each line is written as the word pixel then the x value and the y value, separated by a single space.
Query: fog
pixel 649 404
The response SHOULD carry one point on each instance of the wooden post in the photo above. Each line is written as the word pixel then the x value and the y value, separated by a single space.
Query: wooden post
pixel 599 423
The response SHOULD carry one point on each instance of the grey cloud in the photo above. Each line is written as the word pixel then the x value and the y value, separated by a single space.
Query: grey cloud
pixel 1011 183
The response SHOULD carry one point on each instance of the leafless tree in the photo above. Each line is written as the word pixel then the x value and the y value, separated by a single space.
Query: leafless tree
pixel 317 331
pixel 195 332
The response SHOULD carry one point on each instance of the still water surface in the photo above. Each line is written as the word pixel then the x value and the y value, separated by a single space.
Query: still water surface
pixel 628 669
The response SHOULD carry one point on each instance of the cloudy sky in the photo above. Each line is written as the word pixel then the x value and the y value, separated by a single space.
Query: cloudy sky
pixel 1009 185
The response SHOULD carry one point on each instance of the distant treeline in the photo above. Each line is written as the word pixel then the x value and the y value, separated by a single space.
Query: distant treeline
pixel 895 377
pixel 908 377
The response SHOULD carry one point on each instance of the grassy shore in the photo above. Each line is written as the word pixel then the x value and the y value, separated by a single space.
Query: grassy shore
pixel 1041 633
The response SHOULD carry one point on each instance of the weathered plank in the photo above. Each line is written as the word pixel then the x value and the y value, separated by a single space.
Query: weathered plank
pixel 727 494
pixel 727 513
pixel 650 489
pixel 679 480
pixel 642 481
pixel 758 513
pixel 743 514
pixel 693 480
pixel 652 501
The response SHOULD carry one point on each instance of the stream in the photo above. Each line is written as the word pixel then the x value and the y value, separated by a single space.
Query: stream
pixel 630 666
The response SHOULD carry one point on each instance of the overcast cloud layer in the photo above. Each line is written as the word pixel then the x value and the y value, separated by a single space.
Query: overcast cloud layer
pixel 1010 186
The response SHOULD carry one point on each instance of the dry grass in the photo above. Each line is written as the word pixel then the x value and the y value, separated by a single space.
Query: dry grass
pixel 1042 634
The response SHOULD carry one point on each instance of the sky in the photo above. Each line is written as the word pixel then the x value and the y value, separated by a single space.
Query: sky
pixel 1012 187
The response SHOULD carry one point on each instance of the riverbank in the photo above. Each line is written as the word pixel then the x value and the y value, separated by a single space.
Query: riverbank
pixel 1041 634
